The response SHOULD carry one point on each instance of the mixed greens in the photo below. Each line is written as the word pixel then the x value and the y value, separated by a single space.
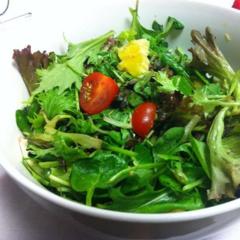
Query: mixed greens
pixel 181 157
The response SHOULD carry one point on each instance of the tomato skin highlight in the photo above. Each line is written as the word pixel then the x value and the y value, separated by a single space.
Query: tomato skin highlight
pixel 97 93
pixel 143 118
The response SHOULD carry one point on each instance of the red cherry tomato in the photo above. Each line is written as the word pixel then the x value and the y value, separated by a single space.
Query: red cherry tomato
pixel 143 118
pixel 236 4
pixel 97 93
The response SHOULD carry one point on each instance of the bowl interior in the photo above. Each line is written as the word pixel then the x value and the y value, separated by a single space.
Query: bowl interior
pixel 78 20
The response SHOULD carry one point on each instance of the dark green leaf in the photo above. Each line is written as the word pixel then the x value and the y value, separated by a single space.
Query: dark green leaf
pixel 134 99
pixel 183 85
pixel 85 175
pixel 165 203
pixel 96 171
pixel 22 121
pixel 157 27
pixel 168 142
pixel 201 151
pixel 170 182
pixel 171 24
pixel 144 154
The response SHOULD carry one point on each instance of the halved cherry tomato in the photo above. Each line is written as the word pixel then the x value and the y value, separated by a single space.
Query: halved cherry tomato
pixel 143 118
pixel 97 93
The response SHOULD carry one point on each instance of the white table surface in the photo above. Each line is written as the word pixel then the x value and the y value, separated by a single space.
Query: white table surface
pixel 23 219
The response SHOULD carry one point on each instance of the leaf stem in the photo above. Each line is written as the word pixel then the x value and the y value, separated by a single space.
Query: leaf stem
pixel 120 150
pixel 89 196
pixel 122 174
pixel 50 164
pixel 190 126
pixel 117 123
pixel 192 185
pixel 59 180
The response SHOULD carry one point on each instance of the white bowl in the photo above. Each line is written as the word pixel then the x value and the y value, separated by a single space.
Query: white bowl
pixel 80 20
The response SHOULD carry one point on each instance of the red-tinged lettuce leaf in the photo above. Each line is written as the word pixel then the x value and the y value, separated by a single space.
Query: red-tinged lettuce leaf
pixel 206 56
pixel 27 63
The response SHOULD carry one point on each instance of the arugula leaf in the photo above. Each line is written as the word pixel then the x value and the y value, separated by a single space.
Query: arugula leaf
pixel 201 151
pixel 137 30
pixel 166 203
pixel 168 59
pixel 154 202
pixel 157 27
pixel 95 172
pixel 85 175
pixel 137 182
pixel 171 24
pixel 128 203
pixel 105 165
pixel 168 142
pixel 158 32
pixel 169 182
pixel 183 85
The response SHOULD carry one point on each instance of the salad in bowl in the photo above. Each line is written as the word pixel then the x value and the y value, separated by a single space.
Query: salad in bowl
pixel 124 122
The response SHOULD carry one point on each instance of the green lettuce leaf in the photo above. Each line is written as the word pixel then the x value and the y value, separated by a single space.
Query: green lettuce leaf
pixel 70 71
pixel 54 103
pixel 224 160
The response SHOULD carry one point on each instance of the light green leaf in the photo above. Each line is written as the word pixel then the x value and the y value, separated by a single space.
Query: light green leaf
pixel 57 76
pixel 78 53
pixel 54 103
